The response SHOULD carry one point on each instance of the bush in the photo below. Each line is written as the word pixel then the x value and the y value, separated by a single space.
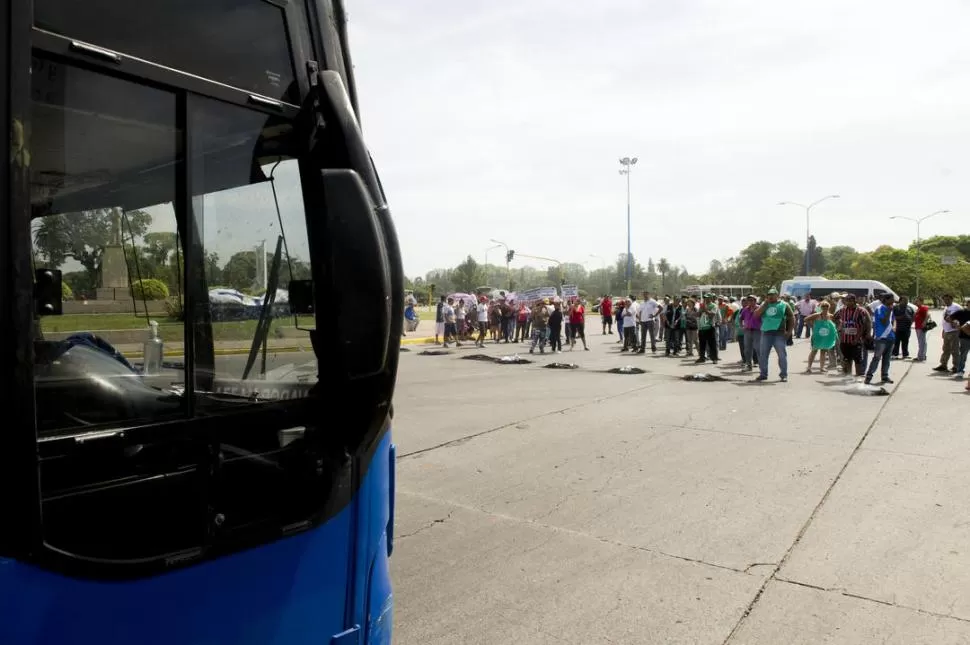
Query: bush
pixel 149 289
pixel 66 292
pixel 175 308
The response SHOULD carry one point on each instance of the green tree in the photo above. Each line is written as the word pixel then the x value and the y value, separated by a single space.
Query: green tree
pixel 83 236
pixel 815 253
pixel 792 255
pixel 468 276
pixel 773 271
pixel 240 271
pixel 663 266
pixel 838 260
pixel 750 259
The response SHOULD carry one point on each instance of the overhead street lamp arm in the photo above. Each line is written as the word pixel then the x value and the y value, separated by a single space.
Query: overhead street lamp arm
pixel 919 241
pixel 819 201
pixel 808 226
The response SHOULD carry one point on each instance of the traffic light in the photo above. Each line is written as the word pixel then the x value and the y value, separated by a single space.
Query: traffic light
pixel 509 255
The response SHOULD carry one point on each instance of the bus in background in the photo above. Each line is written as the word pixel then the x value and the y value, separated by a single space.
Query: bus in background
pixel 238 486
pixel 820 287
pixel 729 290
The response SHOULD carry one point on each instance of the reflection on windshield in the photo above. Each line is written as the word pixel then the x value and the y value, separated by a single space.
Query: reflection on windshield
pixel 103 191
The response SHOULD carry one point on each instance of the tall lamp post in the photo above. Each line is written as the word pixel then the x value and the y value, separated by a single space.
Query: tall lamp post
pixel 808 234
pixel 919 241
pixel 491 248
pixel 628 163
pixel 508 260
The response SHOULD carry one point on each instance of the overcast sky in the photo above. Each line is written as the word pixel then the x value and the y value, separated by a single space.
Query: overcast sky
pixel 506 119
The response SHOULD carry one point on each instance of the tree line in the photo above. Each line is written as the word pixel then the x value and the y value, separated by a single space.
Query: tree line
pixel 83 237
pixel 943 266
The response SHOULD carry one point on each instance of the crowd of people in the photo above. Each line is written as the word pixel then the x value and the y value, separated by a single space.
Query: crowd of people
pixel 849 333
pixel 545 322
pixel 854 334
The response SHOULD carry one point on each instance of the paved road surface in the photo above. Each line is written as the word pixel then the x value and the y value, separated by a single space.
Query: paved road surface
pixel 546 506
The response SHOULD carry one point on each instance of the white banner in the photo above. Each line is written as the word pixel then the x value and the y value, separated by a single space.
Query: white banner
pixel 570 291
pixel 531 296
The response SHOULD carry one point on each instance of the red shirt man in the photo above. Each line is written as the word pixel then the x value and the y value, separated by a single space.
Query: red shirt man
pixel 606 308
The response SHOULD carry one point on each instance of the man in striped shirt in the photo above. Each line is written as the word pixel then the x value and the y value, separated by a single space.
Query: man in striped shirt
pixel 854 326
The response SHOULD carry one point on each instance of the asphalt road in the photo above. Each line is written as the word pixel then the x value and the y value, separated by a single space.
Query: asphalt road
pixel 576 506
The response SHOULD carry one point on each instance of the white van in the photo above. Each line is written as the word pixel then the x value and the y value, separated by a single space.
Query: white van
pixel 819 287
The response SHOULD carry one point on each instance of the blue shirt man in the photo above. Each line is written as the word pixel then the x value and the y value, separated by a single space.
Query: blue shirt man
pixel 883 331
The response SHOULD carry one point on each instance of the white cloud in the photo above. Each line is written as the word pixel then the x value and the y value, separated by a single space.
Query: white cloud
pixel 505 119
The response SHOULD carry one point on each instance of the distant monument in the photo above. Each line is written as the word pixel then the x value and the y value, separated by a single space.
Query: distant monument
pixel 114 268
pixel 260 282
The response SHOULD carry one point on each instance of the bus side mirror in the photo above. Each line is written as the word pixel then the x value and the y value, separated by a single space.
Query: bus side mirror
pixel 301 297
pixel 47 292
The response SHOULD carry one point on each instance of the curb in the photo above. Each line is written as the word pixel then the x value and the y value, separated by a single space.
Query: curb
pixel 224 352
pixel 429 340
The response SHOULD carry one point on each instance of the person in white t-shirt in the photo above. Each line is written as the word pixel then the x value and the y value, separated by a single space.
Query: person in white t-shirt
pixel 805 307
pixel 647 317
pixel 482 310
pixel 630 314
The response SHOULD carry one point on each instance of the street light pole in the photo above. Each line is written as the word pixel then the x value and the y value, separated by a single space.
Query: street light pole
pixel 919 240
pixel 491 248
pixel 508 260
pixel 628 163
pixel 808 233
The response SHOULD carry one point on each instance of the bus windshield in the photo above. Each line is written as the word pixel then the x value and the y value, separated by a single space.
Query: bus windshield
pixel 105 178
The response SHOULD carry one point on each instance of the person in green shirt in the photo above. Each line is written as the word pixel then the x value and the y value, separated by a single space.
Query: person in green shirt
pixel 707 325
pixel 824 337
pixel 777 324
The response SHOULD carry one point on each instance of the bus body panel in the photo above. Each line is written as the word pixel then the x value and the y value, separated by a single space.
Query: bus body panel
pixel 290 592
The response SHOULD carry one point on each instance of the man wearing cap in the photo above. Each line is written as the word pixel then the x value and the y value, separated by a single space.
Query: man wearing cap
pixel 777 324
pixel 884 331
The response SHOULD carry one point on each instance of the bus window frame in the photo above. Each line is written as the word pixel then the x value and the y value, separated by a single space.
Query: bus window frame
pixel 19 481
pixel 58 49
pixel 297 36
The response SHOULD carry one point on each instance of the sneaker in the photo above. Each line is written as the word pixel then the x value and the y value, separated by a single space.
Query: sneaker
pixel 868 380
pixel 940 368
pixel 586 349
pixel 886 381
pixel 760 379
pixel 699 361
pixel 783 379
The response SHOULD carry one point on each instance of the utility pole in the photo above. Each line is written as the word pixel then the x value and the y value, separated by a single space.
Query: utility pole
pixel 808 234
pixel 919 241
pixel 509 254
pixel 628 163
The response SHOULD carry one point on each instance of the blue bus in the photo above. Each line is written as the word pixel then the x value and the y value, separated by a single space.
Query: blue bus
pixel 173 470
